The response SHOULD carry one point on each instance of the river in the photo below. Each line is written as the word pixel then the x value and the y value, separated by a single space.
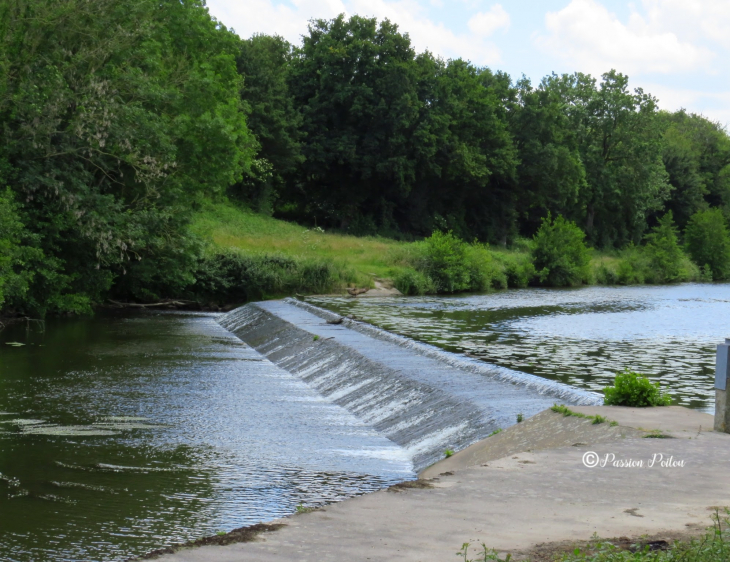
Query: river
pixel 124 433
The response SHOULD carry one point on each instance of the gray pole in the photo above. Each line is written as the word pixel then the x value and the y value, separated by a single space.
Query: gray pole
pixel 722 371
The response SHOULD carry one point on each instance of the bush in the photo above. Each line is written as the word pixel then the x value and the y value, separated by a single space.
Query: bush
pixel 664 253
pixel 235 276
pixel 412 282
pixel 446 262
pixel 560 256
pixel 634 389
pixel 517 270
pixel 708 243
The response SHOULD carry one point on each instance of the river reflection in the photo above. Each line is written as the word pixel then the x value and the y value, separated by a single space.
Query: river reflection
pixel 122 434
pixel 578 336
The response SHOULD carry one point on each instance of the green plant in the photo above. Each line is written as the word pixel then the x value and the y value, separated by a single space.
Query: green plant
pixel 520 417
pixel 315 338
pixel 713 546
pixel 448 453
pixel 656 434
pixel 412 282
pixel 663 252
pixel 495 432
pixel 560 256
pixel 567 412
pixel 485 555
pixel 707 241
pixel 446 262
pixel 634 389
pixel 220 533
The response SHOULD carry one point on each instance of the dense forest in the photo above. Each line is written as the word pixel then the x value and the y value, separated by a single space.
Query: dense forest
pixel 121 118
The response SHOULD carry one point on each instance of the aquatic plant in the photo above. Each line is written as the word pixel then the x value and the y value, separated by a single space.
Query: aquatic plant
pixel 448 453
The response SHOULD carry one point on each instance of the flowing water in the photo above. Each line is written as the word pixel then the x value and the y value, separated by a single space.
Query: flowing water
pixel 125 433
pixel 581 337
pixel 122 434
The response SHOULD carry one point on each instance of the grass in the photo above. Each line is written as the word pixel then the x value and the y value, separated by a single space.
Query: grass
pixel 448 453
pixel 713 546
pixel 597 419
pixel 229 226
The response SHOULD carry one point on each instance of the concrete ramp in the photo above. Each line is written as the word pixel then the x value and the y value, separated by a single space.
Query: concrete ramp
pixel 424 399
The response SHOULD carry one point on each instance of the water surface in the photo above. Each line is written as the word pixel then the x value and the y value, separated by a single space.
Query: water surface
pixel 122 434
pixel 577 336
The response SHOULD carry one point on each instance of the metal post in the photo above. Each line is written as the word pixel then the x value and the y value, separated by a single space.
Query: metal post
pixel 722 372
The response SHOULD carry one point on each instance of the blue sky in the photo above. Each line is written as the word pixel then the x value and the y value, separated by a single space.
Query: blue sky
pixel 677 50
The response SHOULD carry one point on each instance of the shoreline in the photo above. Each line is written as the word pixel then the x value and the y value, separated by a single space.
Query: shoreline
pixel 537 502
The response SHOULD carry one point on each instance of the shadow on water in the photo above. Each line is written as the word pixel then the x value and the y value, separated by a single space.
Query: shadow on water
pixel 125 433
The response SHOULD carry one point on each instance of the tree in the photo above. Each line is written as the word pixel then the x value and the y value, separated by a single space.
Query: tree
pixel 696 155
pixel 264 62
pixel 708 242
pixel 559 253
pixel 354 83
pixel 619 140
pixel 117 117
pixel 663 250
pixel 551 175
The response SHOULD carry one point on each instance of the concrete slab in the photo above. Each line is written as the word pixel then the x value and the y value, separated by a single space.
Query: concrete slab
pixel 512 504
pixel 676 421
pixel 546 430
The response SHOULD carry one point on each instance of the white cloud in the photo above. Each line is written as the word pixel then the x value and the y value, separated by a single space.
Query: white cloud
pixel 704 20
pixel 594 40
pixel 290 21
pixel 486 23
pixel 713 105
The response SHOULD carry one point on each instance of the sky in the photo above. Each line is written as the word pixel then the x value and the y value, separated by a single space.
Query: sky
pixel 676 50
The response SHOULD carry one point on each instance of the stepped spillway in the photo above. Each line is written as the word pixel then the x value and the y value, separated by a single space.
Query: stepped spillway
pixel 424 399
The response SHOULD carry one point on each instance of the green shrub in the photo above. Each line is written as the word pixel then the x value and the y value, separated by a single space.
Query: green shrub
pixel 707 241
pixel 713 546
pixel 663 252
pixel 560 256
pixel 634 389
pixel 517 269
pixel 236 276
pixel 446 262
pixel 412 282
pixel 485 272
pixel 443 263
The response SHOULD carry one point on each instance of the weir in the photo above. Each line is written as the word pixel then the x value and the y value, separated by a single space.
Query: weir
pixel 423 398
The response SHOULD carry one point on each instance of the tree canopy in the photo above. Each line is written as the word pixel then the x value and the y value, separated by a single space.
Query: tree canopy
pixel 119 118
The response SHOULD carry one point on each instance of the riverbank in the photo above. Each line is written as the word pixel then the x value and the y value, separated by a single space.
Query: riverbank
pixel 530 502
pixel 447 265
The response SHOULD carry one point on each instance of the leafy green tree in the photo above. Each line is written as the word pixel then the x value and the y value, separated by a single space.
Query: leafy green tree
pixel 472 172
pixel 117 117
pixel 264 62
pixel 663 250
pixel 619 140
pixel 708 242
pixel 354 82
pixel 559 253
pixel 696 155
pixel 551 172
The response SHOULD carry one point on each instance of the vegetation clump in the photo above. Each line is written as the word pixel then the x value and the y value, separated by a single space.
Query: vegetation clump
pixel 634 389
pixel 560 255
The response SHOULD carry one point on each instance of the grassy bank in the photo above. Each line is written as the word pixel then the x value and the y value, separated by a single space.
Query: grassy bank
pixel 439 264
pixel 230 227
